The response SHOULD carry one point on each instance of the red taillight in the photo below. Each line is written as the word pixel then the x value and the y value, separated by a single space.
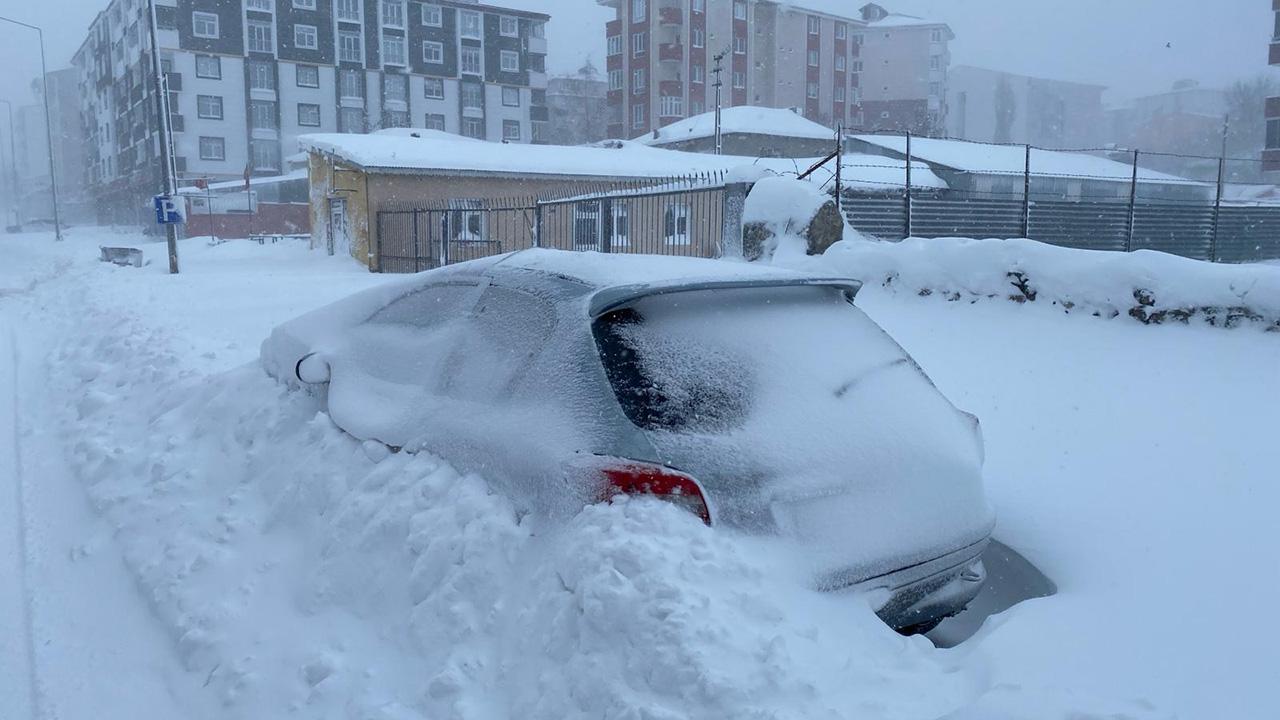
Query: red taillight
pixel 635 478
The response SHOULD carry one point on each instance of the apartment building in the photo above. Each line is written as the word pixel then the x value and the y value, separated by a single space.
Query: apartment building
pixel 247 77
pixel 1271 155
pixel 879 70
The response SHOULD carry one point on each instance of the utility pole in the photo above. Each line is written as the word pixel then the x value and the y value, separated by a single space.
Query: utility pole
pixel 839 162
pixel 48 126
pixel 717 70
pixel 166 134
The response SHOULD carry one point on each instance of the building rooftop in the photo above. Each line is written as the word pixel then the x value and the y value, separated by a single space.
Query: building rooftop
pixel 746 119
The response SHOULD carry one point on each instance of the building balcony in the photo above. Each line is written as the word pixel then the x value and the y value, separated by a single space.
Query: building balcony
pixel 670 15
pixel 671 88
pixel 671 52
pixel 538 45
pixel 1274 57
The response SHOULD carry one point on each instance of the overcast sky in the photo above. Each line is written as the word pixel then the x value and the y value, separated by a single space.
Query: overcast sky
pixel 1133 46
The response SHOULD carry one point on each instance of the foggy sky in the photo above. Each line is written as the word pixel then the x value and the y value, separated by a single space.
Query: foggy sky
pixel 1135 47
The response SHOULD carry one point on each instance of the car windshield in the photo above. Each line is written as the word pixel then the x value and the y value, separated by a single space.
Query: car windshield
pixel 706 361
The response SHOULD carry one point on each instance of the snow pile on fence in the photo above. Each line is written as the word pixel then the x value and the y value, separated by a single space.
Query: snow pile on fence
pixel 1149 286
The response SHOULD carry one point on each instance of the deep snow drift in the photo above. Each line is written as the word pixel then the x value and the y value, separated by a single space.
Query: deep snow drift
pixel 294 572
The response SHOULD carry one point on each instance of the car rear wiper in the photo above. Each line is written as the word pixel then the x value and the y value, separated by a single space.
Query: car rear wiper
pixel 846 387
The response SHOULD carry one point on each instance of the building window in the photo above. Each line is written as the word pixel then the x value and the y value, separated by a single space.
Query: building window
pixel 675 224
pixel 209 106
pixel 470 25
pixel 639 10
pixel 935 89
pixel 262 75
pixel 472 96
pixel 304 4
pixel 209 66
pixel 841 63
pixel 351 84
pixel 473 128
pixel 638 42
pixel 393 13
pixel 615 44
pixel 435 121
pixel 739 10
pixel 813 58
pixel 393 52
pixel 213 148
pixel 538 30
pixel 936 36
pixel 307 76
pixel 205 25
pixel 432 52
pixel 698 6
pixel 815 25
pixel 698 37
pixel 1273 133
pixel 739 45
pixel 639 113
pixel 510 61
pixel 261 5
pixel 508 26
pixel 511 130
pixel 935 62
pixel 470 61
pixel 638 81
pixel 432 15
pixel 308 115
pixel 856 66
pixel 739 80
pixel 349 10
pixel 265 154
pixel 304 37
pixel 350 120
pixel 395 91
pixel 433 88
pixel 812 90
pixel 511 97
pixel 839 93
pixel 615 79
pixel 697 74
pixel 842 31
pixel 349 46
pixel 260 37
pixel 262 115
pixel 395 118
pixel 672 106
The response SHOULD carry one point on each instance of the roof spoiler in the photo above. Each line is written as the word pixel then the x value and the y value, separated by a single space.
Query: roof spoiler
pixel 612 298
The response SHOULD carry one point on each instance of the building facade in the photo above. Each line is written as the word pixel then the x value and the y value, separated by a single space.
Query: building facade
pixel 1271 155
pixel 576 104
pixel 877 71
pixel 247 77
pixel 995 106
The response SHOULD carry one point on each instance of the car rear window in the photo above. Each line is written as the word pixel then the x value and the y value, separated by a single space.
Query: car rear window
pixel 704 361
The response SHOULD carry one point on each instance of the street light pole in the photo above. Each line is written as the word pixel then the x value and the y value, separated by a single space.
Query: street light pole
pixel 48 125
pixel 166 134
pixel 717 70
pixel 13 168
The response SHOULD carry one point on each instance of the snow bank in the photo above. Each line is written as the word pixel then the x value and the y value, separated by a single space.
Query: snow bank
pixel 1149 286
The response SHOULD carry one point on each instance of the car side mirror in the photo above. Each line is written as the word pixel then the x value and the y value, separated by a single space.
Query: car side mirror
pixel 312 369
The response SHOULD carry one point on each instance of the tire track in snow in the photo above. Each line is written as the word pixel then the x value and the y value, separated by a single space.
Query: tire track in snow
pixel 23 666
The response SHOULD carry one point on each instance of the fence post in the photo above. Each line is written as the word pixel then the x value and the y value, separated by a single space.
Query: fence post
pixel 1133 204
pixel 606 225
pixel 732 203
pixel 417 256
pixel 537 224
pixel 1026 196
pixel 377 244
pixel 1217 211
pixel 907 195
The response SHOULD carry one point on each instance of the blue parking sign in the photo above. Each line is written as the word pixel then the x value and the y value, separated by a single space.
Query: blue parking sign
pixel 167 211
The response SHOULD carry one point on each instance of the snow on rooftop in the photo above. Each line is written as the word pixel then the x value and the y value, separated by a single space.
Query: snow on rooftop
pixel 427 152
pixel 746 119
pixel 987 158
pixel 253 182
pixel 900 20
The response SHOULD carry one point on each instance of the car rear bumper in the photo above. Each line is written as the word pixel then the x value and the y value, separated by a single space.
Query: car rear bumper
pixel 928 591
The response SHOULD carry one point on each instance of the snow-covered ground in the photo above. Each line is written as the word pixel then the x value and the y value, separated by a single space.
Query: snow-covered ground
pixel 185 538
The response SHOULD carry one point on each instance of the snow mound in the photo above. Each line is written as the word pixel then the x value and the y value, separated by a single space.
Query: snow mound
pixel 1149 286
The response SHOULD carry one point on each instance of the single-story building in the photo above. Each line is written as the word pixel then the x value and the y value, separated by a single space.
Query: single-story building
pixel 992 171
pixel 274 205
pixel 370 192
pixel 747 131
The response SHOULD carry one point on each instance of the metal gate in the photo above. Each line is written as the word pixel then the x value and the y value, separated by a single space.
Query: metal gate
pixel 416 239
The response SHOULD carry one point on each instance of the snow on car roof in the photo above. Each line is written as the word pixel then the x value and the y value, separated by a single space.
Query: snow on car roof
pixel 1011 159
pixel 609 269
pixel 749 119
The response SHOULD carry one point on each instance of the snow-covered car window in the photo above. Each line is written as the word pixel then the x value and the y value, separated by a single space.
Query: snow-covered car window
pixel 428 307
pixel 502 336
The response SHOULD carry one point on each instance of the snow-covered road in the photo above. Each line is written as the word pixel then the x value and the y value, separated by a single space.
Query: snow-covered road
pixel 198 543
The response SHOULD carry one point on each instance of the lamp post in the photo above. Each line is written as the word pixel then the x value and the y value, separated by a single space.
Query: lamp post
pixel 13 168
pixel 48 124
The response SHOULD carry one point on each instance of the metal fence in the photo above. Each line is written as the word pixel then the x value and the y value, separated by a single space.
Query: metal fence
pixel 698 215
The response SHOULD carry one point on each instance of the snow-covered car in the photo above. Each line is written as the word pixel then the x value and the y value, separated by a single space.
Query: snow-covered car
pixel 761 400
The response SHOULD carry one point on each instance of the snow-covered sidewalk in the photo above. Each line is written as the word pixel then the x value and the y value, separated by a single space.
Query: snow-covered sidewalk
pixel 237 556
